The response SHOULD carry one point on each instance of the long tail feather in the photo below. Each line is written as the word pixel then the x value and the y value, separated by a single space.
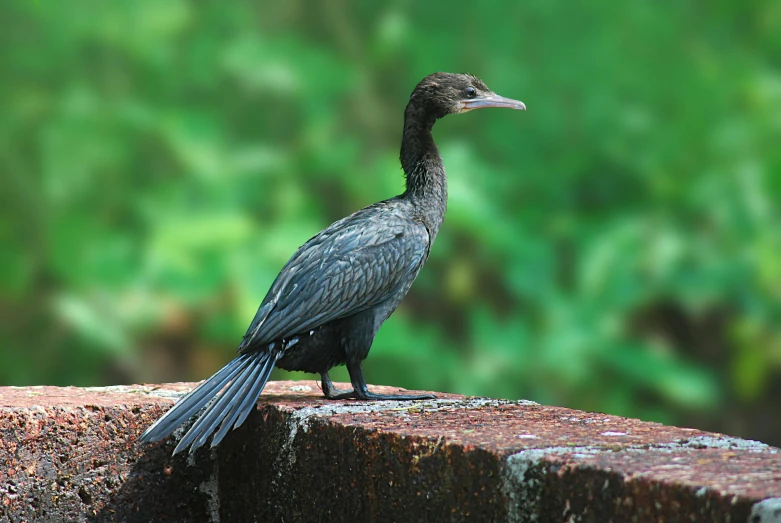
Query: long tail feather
pixel 213 410
pixel 193 402
pixel 231 405
pixel 228 396
pixel 241 410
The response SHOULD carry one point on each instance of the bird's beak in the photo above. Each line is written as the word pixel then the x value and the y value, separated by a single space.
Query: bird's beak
pixel 492 100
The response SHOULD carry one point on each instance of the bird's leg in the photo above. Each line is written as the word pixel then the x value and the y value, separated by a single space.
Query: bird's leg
pixel 361 391
pixel 330 391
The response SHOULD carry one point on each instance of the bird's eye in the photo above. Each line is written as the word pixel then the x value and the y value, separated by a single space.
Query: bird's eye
pixel 470 92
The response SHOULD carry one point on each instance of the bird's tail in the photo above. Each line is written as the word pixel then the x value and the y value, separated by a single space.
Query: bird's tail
pixel 229 396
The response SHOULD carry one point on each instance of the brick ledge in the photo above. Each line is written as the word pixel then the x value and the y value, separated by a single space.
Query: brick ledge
pixel 70 454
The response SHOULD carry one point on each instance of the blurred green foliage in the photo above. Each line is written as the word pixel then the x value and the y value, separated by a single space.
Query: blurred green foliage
pixel 615 248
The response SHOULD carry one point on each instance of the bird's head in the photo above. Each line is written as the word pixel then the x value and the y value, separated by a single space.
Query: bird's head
pixel 448 93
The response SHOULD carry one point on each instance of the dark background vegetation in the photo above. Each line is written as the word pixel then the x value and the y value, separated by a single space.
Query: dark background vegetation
pixel 615 248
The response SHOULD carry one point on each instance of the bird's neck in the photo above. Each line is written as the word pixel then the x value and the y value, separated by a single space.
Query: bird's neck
pixel 423 168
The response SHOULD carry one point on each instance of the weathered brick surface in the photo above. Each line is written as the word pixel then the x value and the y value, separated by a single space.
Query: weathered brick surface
pixel 69 454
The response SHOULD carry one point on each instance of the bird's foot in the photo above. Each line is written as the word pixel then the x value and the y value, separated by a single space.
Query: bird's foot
pixel 338 394
pixel 331 392
pixel 398 397
pixel 360 391
pixel 371 396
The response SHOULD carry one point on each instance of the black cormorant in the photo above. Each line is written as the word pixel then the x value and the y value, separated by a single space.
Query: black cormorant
pixel 331 297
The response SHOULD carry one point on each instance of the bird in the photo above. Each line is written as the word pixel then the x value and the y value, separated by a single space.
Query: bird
pixel 330 299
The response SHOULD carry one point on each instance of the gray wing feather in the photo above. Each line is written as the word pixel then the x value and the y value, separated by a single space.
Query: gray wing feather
pixel 354 264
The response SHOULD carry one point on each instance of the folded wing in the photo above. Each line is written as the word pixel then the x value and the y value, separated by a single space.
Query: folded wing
pixel 355 264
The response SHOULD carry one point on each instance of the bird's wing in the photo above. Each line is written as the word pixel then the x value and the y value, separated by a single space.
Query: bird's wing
pixel 354 264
